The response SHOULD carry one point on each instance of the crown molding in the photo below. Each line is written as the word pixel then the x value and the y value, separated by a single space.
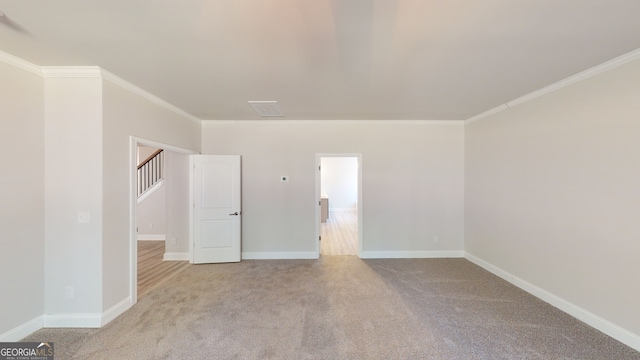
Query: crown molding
pixel 20 63
pixel 70 72
pixel 495 110
pixel 332 122
pixel 93 72
pixel 581 76
pixel 147 95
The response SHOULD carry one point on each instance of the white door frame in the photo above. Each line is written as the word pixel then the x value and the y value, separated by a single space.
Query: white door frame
pixel 318 183
pixel 134 142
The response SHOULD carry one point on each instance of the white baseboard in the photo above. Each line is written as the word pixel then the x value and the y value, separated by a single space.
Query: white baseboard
pixel 21 331
pixel 624 336
pixel 412 254
pixel 290 255
pixel 116 310
pixel 151 237
pixel 176 256
pixel 86 320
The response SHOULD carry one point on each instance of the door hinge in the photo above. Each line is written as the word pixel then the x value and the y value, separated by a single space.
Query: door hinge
pixel 320 202
pixel 319 167
pixel 320 238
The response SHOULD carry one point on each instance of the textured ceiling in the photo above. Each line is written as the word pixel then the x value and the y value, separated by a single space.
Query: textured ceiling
pixel 327 59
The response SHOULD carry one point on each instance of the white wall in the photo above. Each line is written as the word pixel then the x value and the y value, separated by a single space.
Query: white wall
pixel 553 194
pixel 551 187
pixel 152 216
pixel 177 206
pixel 72 133
pixel 21 200
pixel 144 152
pixel 339 180
pixel 73 184
pixel 412 182
pixel 129 114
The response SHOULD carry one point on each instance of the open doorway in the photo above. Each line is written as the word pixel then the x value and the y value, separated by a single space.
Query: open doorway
pixel 154 166
pixel 159 214
pixel 339 224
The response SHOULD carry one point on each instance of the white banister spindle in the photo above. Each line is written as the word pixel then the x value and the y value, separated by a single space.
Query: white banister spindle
pixel 150 171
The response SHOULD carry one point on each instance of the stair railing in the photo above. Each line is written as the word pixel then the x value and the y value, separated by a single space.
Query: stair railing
pixel 150 171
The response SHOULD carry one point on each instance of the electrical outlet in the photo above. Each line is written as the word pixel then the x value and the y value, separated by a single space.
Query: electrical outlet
pixel 174 241
pixel 436 239
pixel 150 225
pixel 68 292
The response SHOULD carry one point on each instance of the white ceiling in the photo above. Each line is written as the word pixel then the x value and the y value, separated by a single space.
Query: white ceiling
pixel 327 59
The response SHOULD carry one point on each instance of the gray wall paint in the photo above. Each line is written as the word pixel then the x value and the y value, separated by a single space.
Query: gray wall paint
pixel 73 184
pixel 152 217
pixel 412 181
pixel 553 193
pixel 127 114
pixel 21 197
pixel 177 205
pixel 551 190
pixel 73 136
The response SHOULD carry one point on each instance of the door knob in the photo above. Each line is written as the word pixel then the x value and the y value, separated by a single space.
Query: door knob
pixel 234 214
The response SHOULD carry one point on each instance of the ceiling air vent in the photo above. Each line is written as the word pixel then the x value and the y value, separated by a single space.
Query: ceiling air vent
pixel 266 108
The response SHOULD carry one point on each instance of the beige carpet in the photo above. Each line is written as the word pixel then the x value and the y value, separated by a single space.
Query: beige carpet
pixel 339 307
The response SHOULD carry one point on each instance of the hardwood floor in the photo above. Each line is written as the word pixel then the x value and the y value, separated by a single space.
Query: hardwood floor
pixel 339 237
pixel 152 270
pixel 340 234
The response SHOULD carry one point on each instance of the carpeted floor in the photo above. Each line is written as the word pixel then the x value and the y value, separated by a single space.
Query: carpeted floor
pixel 338 307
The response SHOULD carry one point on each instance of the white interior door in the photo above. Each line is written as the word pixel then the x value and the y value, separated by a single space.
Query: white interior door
pixel 216 208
